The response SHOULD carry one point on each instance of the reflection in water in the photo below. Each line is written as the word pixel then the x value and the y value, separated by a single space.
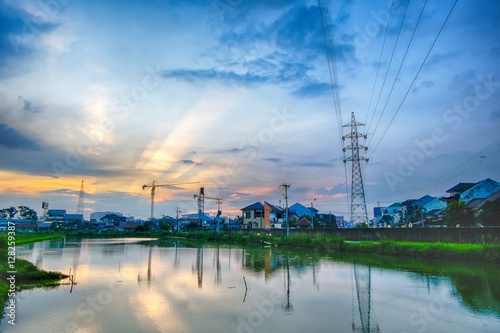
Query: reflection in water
pixel 287 305
pixel 217 277
pixel 149 277
pixel 199 266
pixel 362 277
pixel 283 291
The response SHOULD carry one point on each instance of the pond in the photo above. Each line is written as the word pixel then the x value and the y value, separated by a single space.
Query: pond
pixel 140 285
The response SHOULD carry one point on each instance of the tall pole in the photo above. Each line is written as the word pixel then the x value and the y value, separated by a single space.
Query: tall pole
pixel 286 186
pixel 201 206
pixel 177 211
pixel 312 214
pixel 153 188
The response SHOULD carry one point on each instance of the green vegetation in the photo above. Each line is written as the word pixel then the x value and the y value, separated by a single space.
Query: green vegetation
pixel 464 252
pixel 457 214
pixel 27 274
pixel 490 214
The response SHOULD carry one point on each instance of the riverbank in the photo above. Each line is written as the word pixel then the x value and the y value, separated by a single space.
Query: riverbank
pixel 464 252
pixel 26 274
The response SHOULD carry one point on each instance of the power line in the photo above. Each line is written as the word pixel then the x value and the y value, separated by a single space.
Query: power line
pixel 379 61
pixel 387 71
pixel 326 25
pixel 437 182
pixel 416 76
pixel 256 198
pixel 399 69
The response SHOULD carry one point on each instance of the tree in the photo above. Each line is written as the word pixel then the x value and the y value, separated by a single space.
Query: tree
pixel 113 218
pixel 146 226
pixel 328 220
pixel 27 213
pixel 165 223
pixel 457 214
pixel 387 219
pixel 8 212
pixel 192 226
pixel 490 214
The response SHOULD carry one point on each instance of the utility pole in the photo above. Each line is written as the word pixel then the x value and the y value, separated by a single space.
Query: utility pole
pixel 312 214
pixel 286 186
pixel 177 211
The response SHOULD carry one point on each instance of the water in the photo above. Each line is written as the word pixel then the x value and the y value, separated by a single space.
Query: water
pixel 124 285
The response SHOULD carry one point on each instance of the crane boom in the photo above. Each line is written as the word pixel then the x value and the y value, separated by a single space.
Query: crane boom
pixel 153 191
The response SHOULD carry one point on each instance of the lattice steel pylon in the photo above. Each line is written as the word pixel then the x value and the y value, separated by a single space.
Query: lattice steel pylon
pixel 359 214
pixel 79 207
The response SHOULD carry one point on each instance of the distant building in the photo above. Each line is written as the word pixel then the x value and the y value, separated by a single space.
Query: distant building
pixel 301 210
pixel 273 216
pixel 480 190
pixel 253 216
pixel 97 216
pixel 378 212
pixel 466 192
pixel 341 223
pixel 56 214
pixel 262 216
pixel 303 223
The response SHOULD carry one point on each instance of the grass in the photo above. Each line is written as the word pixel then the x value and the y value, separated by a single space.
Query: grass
pixel 27 274
pixel 453 251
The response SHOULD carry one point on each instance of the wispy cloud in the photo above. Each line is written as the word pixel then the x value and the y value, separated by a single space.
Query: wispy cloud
pixel 340 188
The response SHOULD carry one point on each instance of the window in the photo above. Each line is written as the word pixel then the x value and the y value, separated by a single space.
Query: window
pixel 258 213
pixel 248 214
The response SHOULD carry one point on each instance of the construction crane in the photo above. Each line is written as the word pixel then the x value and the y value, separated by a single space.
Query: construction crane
pixel 201 207
pixel 153 190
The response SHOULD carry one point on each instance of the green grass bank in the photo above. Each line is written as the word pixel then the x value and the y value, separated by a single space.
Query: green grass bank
pixel 27 275
pixel 465 252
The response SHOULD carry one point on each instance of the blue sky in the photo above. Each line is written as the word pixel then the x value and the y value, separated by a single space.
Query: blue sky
pixel 236 94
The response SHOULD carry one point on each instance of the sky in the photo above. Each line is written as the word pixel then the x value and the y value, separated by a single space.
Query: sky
pixel 236 96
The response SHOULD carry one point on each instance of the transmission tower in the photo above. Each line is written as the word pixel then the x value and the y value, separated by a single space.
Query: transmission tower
pixel 358 202
pixel 79 207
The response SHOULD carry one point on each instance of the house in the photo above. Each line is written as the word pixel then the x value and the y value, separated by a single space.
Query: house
pixel 475 205
pixel 97 216
pixel 301 210
pixel 253 216
pixel 56 215
pixel 480 190
pixel 303 223
pixel 129 227
pixel 273 215
pixel 263 216
pixel 378 212
pixel 435 204
pixel 73 218
pixel 341 222
pixel 191 219
pixel 26 227
pixel 466 192
pixel 458 189
pixel 112 219
pixel 395 212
